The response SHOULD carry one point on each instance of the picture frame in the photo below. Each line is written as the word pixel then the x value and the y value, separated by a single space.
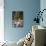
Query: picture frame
pixel 17 19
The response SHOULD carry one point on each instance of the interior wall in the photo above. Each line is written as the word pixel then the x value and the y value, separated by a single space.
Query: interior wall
pixel 43 6
pixel 1 20
pixel 30 7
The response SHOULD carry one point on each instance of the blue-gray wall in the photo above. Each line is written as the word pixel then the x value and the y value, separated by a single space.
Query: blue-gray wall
pixel 43 6
pixel 29 7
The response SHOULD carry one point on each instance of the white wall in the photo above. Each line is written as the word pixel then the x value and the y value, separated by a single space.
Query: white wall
pixel 1 20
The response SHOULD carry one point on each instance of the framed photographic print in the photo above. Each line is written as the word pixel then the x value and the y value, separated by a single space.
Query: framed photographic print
pixel 17 19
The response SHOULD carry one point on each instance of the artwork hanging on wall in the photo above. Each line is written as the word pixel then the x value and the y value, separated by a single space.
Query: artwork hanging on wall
pixel 17 19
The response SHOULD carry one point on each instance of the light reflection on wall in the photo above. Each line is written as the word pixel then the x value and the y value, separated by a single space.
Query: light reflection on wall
pixel 1 21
